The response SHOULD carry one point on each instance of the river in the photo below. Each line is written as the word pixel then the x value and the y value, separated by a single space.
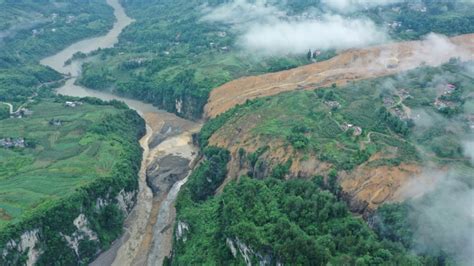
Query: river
pixel 148 228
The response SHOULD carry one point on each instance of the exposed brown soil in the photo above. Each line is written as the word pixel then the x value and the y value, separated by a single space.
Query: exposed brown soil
pixel 371 184
pixel 376 185
pixel 348 66
pixel 4 215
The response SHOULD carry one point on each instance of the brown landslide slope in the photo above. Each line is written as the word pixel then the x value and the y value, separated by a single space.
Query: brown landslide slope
pixel 366 186
pixel 348 66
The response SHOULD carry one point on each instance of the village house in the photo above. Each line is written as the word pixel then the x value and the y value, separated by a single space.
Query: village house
pixel 449 88
pixel 404 94
pixel 72 104
pixel 22 112
pixel 396 9
pixel 392 63
pixel 398 112
pixel 388 102
pixel 419 7
pixel 441 104
pixel 70 19
pixel 222 34
pixel 12 143
pixel 333 104
pixel 357 130
pixel 394 24
pixel 55 122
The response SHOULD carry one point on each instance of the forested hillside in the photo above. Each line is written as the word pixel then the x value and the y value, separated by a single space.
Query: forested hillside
pixel 177 51
pixel 345 144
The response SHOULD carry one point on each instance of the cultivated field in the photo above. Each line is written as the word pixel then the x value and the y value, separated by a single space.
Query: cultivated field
pixel 57 158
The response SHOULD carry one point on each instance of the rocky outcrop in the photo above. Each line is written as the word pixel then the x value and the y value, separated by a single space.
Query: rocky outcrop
pixel 26 245
pixel 83 232
pixel 165 171
pixel 71 228
pixel 182 229
pixel 166 131
pixel 239 248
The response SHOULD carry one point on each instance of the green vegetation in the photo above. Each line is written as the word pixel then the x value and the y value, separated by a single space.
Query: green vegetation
pixel 4 111
pixel 292 222
pixel 435 224
pixel 73 156
pixel 210 174
pixel 30 30
pixel 190 58
pixel 306 222
pixel 445 17
pixel 323 123
pixel 63 161
pixel 60 157
pixel 173 55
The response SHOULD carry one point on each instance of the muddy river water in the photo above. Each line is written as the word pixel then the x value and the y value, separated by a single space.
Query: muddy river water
pixel 149 227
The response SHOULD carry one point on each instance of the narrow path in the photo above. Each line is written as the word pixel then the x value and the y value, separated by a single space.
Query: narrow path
pixel 9 105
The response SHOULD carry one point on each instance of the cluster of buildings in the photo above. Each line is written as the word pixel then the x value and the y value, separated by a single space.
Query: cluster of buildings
pixel 389 102
pixel 22 112
pixel 400 113
pixel 357 129
pixel 394 24
pixel 55 122
pixel 441 103
pixel 333 104
pixel 12 143
pixel 213 45
pixel 418 7
pixel 72 104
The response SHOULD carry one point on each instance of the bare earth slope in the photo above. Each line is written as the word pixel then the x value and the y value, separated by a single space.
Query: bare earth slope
pixel 348 66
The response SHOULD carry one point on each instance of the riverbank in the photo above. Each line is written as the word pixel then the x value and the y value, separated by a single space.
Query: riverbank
pixel 140 234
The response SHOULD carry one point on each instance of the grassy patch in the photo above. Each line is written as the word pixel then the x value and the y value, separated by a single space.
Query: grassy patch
pixel 57 159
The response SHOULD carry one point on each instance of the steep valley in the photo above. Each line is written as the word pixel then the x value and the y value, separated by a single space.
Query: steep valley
pixel 360 156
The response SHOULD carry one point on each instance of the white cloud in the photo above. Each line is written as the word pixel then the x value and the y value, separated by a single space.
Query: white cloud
pixel 468 149
pixel 266 29
pixel 331 31
pixel 243 12
pixel 353 5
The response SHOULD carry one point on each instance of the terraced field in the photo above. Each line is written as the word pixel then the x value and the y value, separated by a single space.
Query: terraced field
pixel 57 158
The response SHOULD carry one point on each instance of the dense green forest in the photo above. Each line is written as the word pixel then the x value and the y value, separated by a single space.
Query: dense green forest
pixel 71 157
pixel 31 30
pixel 306 222
pixel 291 222
pixel 175 56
